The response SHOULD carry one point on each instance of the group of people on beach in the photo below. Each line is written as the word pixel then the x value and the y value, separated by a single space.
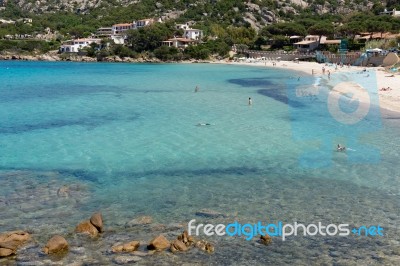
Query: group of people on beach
pixel 385 89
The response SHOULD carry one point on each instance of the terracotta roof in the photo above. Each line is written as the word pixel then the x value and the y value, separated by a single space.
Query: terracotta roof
pixel 331 42
pixel 122 24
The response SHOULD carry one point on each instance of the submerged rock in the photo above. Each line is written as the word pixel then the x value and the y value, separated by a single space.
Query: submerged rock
pixel 126 259
pixel 56 244
pixel 141 220
pixel 63 192
pixel 158 243
pixel 209 213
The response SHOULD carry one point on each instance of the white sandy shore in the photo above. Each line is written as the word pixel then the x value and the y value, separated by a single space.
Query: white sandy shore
pixel 389 99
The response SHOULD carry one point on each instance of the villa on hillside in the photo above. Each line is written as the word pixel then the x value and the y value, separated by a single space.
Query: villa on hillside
pixel 310 43
pixel 366 36
pixel 393 12
pixel 74 46
pixel 178 42
pixel 193 34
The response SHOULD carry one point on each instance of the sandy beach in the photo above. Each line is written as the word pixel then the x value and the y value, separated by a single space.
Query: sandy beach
pixel 389 99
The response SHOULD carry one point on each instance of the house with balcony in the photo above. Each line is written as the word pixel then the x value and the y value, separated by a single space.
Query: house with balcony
pixel 74 46
pixel 309 43
pixel 104 32
pixel 193 34
pixel 181 43
pixel 120 29
pixel 144 22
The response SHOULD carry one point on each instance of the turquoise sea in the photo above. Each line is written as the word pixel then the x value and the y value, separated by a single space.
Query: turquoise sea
pixel 125 140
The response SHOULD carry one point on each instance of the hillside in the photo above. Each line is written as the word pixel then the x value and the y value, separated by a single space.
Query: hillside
pixel 230 12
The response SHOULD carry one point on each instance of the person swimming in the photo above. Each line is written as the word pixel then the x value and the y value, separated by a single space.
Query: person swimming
pixel 203 124
pixel 340 148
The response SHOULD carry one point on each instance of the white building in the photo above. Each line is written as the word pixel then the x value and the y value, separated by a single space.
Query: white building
pixel 193 34
pixel 120 29
pixel 74 46
pixel 143 22
pixel 182 26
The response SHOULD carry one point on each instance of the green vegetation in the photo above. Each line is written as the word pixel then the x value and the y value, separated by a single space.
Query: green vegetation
pixel 222 21
pixel 30 46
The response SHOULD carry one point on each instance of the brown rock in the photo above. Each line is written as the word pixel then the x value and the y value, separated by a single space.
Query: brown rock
pixel 131 246
pixel 201 245
pixel 87 227
pixel 158 243
pixel 210 248
pixel 118 248
pixel 19 236
pixel 4 252
pixel 56 244
pixel 10 241
pixel 178 245
pixel 97 221
pixel 127 247
pixel 266 239
pixel 186 238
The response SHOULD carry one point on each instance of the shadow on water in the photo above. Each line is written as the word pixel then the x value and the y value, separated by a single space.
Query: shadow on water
pixel 97 177
pixel 251 82
pixel 89 122
pixel 67 90
pixel 279 94
pixel 272 90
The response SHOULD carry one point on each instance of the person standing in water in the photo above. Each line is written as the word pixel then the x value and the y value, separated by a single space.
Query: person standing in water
pixel 250 101
pixel 196 89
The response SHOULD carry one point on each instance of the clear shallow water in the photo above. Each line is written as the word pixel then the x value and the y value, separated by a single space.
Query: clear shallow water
pixel 124 138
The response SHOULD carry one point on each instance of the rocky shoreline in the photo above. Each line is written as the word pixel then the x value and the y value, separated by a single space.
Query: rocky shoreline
pixel 54 56
pixel 130 249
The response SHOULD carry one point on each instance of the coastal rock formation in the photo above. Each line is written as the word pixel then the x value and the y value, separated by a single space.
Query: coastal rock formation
pixel 266 240
pixel 10 241
pixel 56 244
pixel 127 247
pixel 158 243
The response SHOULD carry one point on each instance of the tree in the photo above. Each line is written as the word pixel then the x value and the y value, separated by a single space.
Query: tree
pixel 148 38
pixel 320 29
pixel 166 53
